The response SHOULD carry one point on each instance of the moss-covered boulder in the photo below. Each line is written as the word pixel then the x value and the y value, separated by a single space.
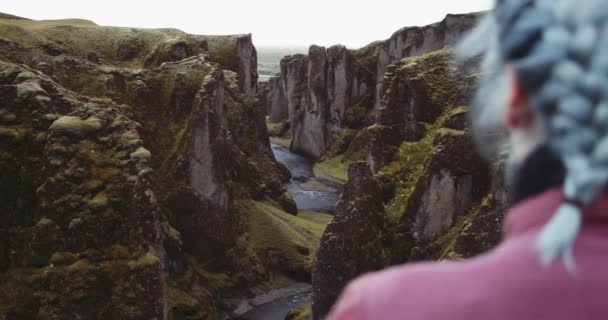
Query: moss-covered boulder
pixel 74 126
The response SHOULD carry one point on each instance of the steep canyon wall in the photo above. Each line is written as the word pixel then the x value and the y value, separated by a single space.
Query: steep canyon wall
pixel 438 198
pixel 333 89
pixel 136 174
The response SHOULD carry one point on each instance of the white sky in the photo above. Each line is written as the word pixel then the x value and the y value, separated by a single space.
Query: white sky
pixel 273 22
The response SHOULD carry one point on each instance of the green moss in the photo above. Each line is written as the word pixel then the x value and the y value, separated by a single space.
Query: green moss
pixel 215 280
pixel 75 126
pixel 221 48
pixel 300 313
pixel 274 129
pixel 334 169
pixel 285 142
pixel 452 132
pixel 81 37
pixel 411 161
pixel 146 260
pixel 436 76
pixel 99 202
pixel 141 153
pixel 458 110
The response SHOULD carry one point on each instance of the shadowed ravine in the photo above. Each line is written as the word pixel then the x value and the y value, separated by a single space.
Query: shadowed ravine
pixel 141 156
pixel 310 193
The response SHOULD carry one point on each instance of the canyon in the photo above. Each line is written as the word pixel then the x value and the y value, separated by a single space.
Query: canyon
pixel 146 174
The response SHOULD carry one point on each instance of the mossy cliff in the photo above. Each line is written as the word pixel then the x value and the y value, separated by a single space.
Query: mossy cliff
pixel 438 199
pixel 137 177
pixel 81 223
pixel 329 94
pixel 352 242
pixel 40 43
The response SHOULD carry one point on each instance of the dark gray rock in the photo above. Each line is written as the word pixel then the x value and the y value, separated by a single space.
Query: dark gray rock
pixel 352 243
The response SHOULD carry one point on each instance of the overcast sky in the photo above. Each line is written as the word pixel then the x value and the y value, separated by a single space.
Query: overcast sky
pixel 272 22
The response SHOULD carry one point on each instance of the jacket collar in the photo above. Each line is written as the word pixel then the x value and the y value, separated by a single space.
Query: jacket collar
pixel 534 212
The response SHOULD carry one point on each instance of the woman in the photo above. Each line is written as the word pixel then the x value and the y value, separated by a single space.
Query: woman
pixel 546 67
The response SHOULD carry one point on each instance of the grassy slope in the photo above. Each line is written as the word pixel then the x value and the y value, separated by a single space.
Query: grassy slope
pixel 10 16
pixel 334 169
pixel 277 235
pixel 274 130
pixel 81 37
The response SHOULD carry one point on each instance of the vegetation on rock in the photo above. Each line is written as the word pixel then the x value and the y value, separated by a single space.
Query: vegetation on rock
pixel 123 150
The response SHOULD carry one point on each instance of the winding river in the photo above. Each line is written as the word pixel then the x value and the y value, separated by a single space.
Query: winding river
pixel 309 193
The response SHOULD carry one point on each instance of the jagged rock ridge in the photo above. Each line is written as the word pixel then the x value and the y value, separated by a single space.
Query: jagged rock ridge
pixel 330 90
pixel 439 199
pixel 136 166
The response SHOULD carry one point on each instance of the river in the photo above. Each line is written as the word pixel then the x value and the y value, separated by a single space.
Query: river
pixel 309 193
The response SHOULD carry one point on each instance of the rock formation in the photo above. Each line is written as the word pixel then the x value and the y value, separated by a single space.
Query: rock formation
pixel 439 199
pixel 82 224
pixel 352 242
pixel 137 180
pixel 276 103
pixel 330 91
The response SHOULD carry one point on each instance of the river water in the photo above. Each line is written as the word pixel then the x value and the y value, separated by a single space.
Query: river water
pixel 309 193
pixel 278 309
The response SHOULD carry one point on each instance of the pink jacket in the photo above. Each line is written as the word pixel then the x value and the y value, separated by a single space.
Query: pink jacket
pixel 507 283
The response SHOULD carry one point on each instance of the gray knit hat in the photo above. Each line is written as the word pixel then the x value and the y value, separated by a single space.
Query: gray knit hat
pixel 559 51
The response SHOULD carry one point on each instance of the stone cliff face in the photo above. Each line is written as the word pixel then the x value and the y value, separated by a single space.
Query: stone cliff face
pixel 439 199
pixel 276 103
pixel 416 41
pixel 81 223
pixel 331 91
pixel 352 242
pixel 128 177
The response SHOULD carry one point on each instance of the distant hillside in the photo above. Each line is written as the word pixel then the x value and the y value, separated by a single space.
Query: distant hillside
pixel 10 16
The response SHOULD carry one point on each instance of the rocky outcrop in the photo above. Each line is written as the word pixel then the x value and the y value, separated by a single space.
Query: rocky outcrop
pixel 416 41
pixel 481 232
pixel 326 92
pixel 341 89
pixel 276 103
pixel 440 199
pixel 81 221
pixel 352 242
pixel 124 176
